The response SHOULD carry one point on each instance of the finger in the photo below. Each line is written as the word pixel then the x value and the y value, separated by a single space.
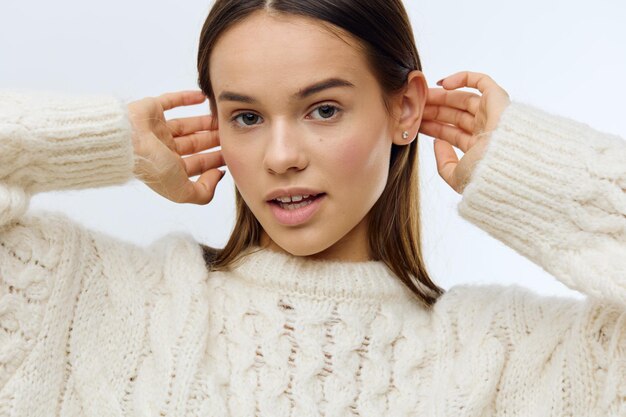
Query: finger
pixel 450 134
pixel 197 142
pixel 462 100
pixel 204 187
pixel 447 161
pixel 460 118
pixel 180 98
pixel 187 125
pixel 468 79
pixel 200 163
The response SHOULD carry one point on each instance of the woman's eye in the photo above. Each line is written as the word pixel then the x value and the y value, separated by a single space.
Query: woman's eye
pixel 248 119
pixel 326 111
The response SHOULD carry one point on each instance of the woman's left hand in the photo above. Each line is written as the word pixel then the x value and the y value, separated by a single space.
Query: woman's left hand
pixel 463 120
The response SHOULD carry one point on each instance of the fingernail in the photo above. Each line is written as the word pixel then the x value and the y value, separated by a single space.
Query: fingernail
pixel 440 82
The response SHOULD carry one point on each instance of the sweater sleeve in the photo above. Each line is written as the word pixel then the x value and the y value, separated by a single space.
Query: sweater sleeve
pixel 58 142
pixel 554 190
pixel 50 142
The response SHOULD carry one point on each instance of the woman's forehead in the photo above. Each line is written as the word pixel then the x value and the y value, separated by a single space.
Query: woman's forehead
pixel 265 49
pixel 285 30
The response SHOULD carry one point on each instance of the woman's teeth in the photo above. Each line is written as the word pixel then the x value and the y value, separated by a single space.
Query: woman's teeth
pixel 295 202
pixel 295 206
pixel 294 198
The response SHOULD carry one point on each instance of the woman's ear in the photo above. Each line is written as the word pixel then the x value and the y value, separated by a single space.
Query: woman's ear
pixel 410 108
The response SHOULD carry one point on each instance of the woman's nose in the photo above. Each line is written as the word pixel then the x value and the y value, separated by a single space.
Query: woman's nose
pixel 284 150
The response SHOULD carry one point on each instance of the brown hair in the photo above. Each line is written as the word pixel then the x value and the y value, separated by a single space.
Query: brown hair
pixel 385 34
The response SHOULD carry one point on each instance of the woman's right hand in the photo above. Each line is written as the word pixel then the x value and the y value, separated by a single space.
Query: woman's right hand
pixel 160 145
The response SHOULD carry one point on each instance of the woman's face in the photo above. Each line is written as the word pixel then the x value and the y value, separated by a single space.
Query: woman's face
pixel 299 113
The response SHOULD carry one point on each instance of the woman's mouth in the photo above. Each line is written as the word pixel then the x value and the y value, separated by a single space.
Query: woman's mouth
pixel 297 209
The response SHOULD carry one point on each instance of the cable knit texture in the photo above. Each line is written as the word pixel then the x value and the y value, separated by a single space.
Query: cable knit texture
pixel 94 326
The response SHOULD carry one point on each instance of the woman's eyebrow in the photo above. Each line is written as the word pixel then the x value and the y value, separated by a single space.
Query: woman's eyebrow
pixel 302 94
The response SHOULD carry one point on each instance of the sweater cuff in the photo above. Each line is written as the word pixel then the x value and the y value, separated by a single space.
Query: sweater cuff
pixel 553 189
pixel 63 142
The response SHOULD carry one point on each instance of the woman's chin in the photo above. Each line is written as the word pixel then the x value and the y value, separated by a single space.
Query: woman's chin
pixel 295 246
pixel 299 248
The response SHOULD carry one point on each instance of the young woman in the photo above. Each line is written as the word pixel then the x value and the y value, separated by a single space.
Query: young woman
pixel 320 303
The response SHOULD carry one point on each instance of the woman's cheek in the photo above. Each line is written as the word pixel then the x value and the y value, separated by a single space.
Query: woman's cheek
pixel 354 155
pixel 233 159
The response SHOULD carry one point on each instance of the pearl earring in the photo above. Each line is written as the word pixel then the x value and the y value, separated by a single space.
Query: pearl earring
pixel 405 135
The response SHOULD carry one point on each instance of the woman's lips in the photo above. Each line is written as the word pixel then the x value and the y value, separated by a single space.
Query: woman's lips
pixel 296 216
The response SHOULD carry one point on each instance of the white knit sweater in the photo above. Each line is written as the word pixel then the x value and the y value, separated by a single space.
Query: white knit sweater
pixel 93 326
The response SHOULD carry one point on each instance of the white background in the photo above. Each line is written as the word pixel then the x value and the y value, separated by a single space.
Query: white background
pixel 566 57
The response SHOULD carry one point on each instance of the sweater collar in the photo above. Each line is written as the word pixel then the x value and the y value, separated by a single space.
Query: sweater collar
pixel 318 278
